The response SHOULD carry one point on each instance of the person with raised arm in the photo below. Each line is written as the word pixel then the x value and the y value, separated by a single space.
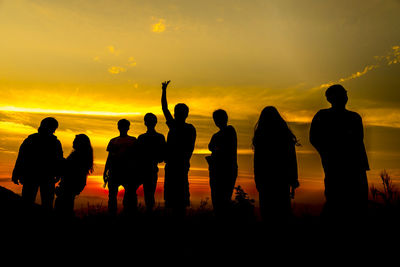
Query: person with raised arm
pixel 180 145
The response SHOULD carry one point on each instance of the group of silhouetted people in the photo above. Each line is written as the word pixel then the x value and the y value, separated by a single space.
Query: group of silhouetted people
pixel 336 133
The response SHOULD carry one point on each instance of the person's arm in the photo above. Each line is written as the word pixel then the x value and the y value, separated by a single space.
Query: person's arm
pixel 106 174
pixel 60 162
pixel 211 146
pixel 19 165
pixel 315 133
pixel 192 143
pixel 164 104
pixel 162 149
pixel 293 172
pixel 363 152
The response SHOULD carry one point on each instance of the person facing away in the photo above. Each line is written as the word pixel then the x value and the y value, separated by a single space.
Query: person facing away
pixel 275 165
pixel 76 168
pixel 38 164
pixel 119 169
pixel 151 147
pixel 222 163
pixel 180 145
pixel 337 134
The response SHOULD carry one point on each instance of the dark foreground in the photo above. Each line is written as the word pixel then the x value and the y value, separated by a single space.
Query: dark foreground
pixel 31 235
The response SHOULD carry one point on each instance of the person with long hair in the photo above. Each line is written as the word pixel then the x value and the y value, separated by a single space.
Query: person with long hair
pixel 275 165
pixel 77 166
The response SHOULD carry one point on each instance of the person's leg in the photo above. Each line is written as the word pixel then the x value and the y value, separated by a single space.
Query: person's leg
pixel 149 189
pixel 130 198
pixel 47 189
pixel 29 192
pixel 112 198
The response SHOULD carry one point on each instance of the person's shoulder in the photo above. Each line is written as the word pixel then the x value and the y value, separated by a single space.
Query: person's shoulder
pixel 131 138
pixel 32 136
pixel 230 128
pixel 113 140
pixel 30 139
pixel 353 114
pixel 190 126
pixel 159 135
pixel 324 111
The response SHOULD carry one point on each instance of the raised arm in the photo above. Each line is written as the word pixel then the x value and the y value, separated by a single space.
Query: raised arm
pixel 164 104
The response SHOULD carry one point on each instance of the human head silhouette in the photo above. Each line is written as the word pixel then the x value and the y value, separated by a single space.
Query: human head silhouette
pixel 81 142
pixel 220 118
pixel 181 112
pixel 272 125
pixel 150 120
pixel 48 126
pixel 123 126
pixel 83 146
pixel 337 96
pixel 269 117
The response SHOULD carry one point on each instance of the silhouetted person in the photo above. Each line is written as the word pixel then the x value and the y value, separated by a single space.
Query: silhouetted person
pixel 180 145
pixel 222 163
pixel 38 164
pixel 151 147
pixel 275 165
pixel 337 134
pixel 76 168
pixel 119 169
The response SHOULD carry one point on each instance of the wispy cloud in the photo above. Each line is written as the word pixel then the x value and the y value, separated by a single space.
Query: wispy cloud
pixel 131 62
pixel 113 50
pixel 116 69
pixel 351 77
pixel 393 57
pixel 159 26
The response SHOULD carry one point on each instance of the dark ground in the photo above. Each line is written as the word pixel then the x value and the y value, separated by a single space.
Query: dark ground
pixel 33 235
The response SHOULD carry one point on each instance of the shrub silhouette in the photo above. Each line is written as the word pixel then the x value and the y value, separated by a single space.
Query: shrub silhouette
pixel 389 194
pixel 243 205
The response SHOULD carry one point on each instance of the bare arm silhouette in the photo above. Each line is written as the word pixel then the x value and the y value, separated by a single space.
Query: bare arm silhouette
pixel 164 104
pixel 19 165
pixel 315 133
pixel 106 174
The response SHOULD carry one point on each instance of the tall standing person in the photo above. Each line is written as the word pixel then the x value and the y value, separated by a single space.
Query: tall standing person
pixel 337 134
pixel 180 145
pixel 151 149
pixel 38 164
pixel 119 169
pixel 222 163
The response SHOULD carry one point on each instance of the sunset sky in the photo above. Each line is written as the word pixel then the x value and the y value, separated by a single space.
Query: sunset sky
pixel 91 63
